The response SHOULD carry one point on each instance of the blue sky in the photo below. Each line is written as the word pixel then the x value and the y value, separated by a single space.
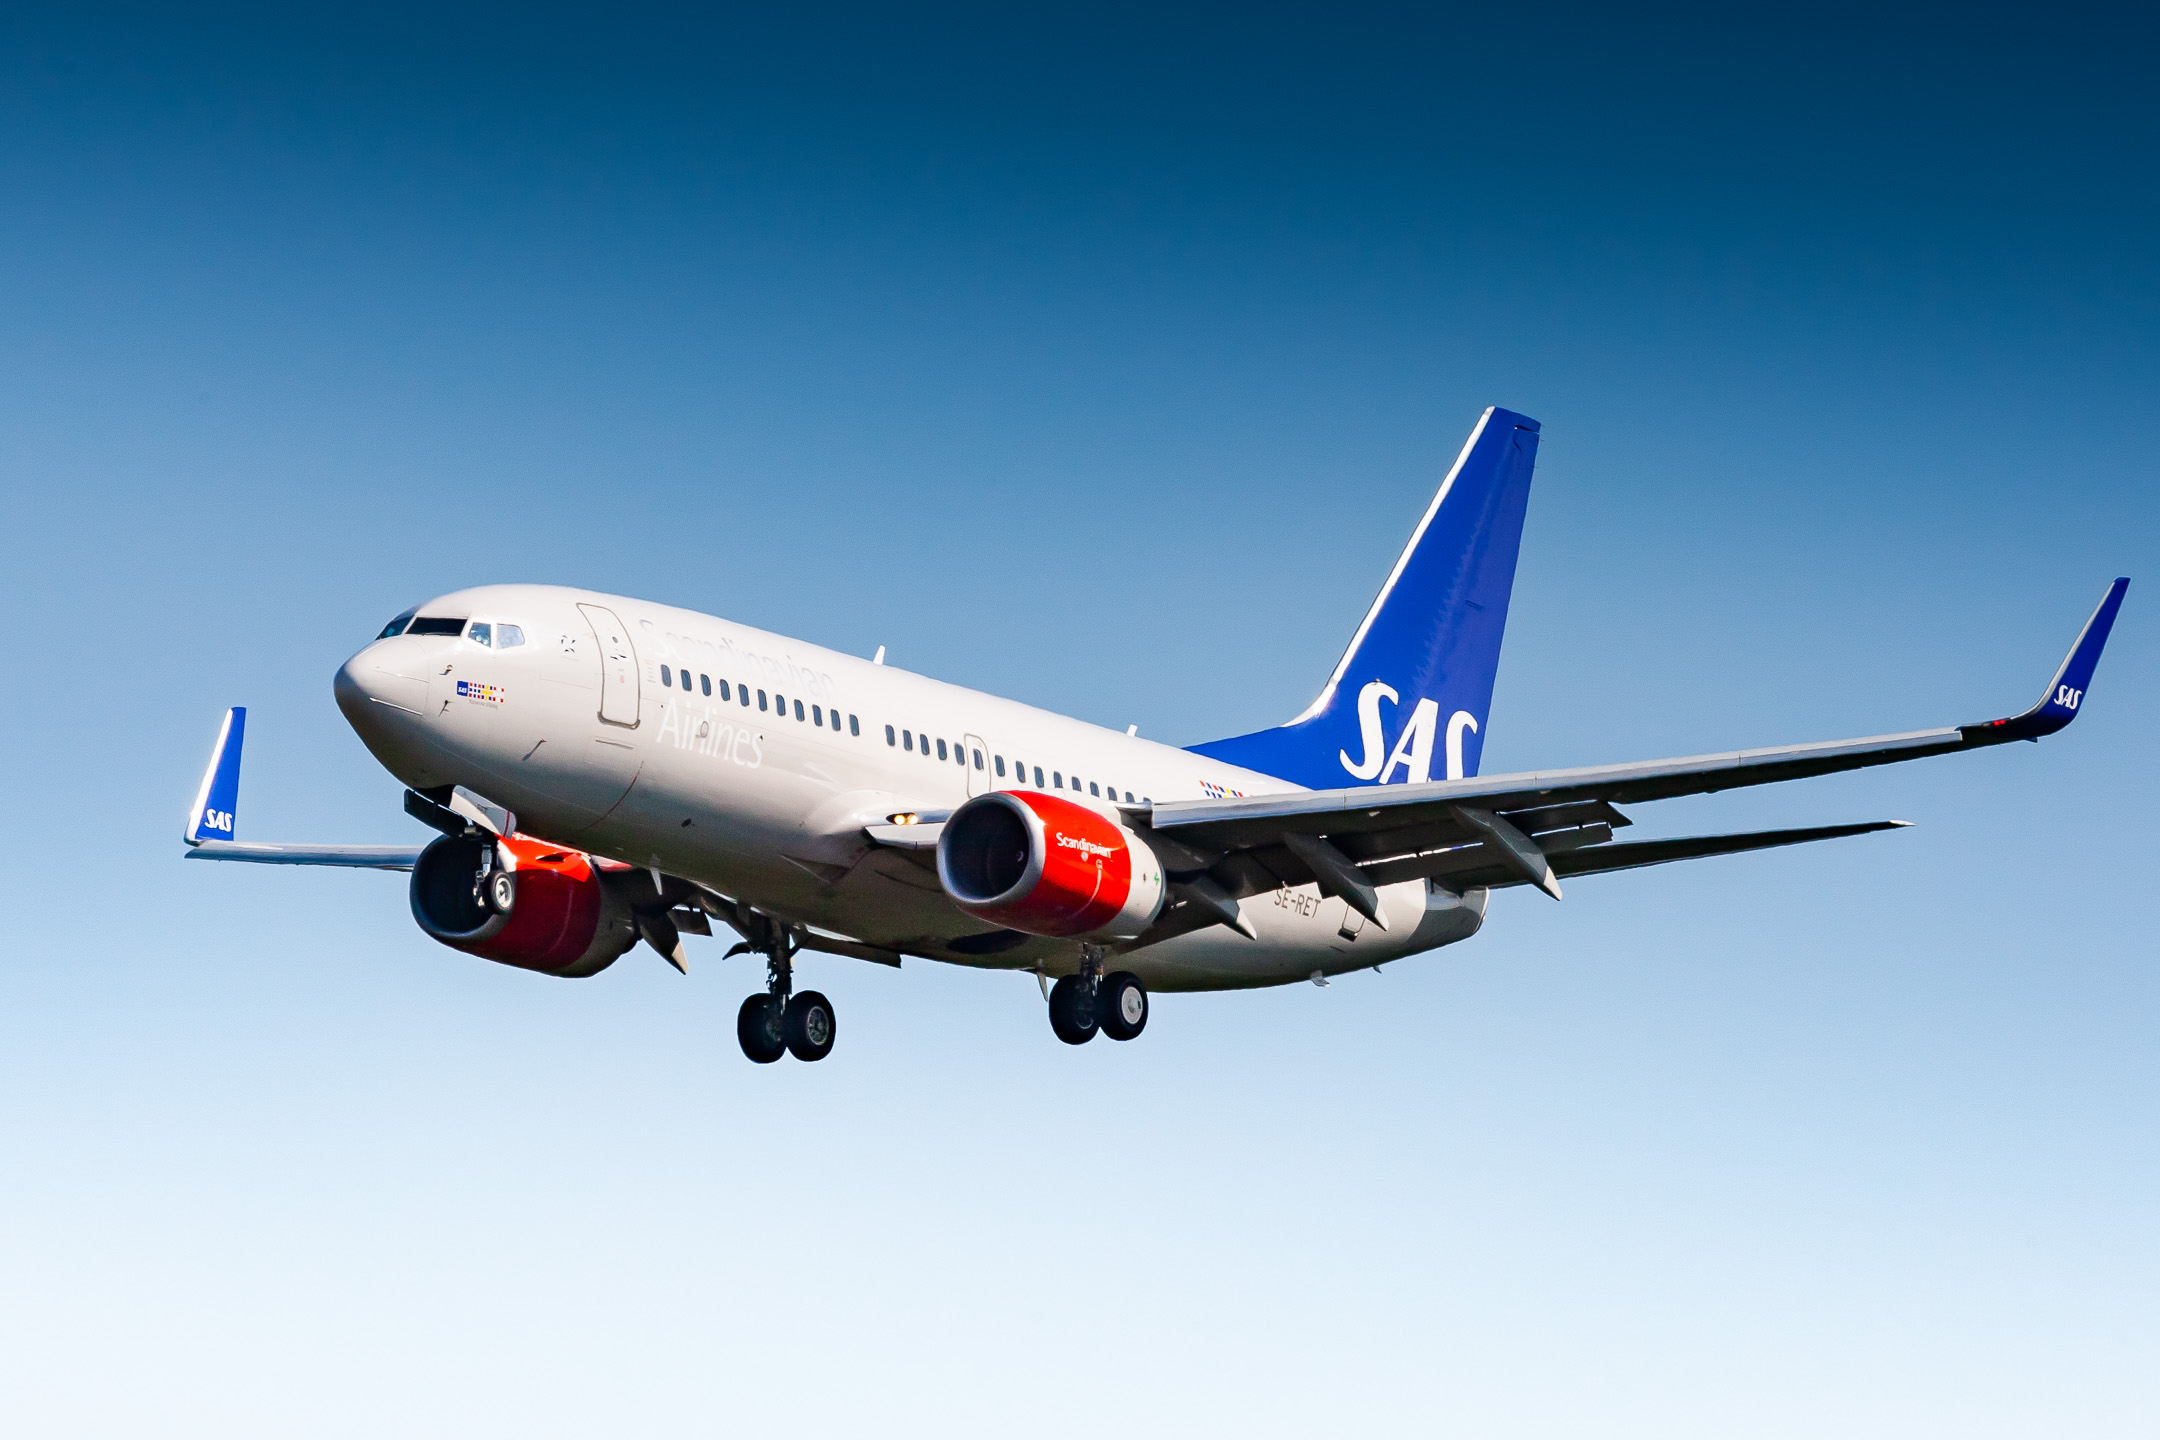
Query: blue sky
pixel 1103 359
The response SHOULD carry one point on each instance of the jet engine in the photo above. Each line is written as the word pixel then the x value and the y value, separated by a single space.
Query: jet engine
pixel 523 902
pixel 1048 866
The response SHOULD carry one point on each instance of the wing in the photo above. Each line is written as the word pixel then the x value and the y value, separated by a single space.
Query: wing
pixel 359 857
pixel 1534 828
pixel 217 802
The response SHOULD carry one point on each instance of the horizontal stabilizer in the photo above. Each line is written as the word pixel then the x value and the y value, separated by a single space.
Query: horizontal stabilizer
pixel 1597 859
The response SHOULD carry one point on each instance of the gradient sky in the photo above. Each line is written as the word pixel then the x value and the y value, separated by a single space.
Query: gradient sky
pixel 1102 359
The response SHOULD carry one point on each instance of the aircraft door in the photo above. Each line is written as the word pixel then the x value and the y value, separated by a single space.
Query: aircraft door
pixel 979 780
pixel 618 666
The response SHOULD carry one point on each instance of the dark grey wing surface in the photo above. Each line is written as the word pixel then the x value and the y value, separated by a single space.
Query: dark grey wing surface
pixel 1536 827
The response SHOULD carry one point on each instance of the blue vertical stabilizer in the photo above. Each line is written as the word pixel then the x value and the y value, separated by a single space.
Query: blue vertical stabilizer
pixel 1408 700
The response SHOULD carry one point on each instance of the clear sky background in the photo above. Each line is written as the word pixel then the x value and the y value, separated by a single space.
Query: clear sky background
pixel 1103 360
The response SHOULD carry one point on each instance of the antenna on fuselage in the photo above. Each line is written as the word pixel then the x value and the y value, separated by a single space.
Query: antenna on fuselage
pixel 879 658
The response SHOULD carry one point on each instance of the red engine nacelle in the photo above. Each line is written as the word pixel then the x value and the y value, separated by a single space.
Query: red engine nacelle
pixel 522 902
pixel 1048 866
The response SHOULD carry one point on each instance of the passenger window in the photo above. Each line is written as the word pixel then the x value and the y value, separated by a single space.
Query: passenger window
pixel 941 749
pixel 978 760
pixel 1094 789
pixel 798 709
pixel 704 684
pixel 761 699
pixel 686 679
pixel 854 726
pixel 817 716
pixel 507 636
pixel 396 627
pixel 1057 780
pixel 907 741
pixel 1128 797
pixel 779 704
pixel 1038 777
pixel 889 739
pixel 480 634
pixel 742 692
pixel 667 677
pixel 1000 766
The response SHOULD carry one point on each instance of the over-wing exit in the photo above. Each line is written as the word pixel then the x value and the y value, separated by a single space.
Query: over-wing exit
pixel 601 771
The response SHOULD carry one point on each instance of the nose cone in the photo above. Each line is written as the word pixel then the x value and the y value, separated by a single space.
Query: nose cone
pixel 382 696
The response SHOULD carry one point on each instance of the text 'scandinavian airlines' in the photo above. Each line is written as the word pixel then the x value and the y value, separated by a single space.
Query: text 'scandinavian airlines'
pixel 602 770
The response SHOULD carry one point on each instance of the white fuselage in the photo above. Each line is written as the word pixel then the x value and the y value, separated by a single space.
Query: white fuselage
pixel 595 743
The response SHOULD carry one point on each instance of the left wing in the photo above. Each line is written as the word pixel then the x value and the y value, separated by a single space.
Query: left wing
pixel 210 827
pixel 1535 827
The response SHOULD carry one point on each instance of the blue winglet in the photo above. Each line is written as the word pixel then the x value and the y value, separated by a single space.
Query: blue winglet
pixel 2059 705
pixel 219 797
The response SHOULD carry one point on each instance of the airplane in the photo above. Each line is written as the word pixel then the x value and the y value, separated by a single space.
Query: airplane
pixel 602 770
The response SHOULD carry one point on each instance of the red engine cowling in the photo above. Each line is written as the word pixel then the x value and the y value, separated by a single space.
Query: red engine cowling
pixel 1047 866
pixel 562 917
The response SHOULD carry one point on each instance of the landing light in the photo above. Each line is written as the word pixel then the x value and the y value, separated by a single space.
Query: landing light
pixel 905 817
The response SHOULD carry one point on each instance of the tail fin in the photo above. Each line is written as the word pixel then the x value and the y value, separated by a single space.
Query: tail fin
pixel 219 796
pixel 1419 672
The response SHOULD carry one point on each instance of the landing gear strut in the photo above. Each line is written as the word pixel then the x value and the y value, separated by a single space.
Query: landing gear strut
pixel 1081 1004
pixel 780 1022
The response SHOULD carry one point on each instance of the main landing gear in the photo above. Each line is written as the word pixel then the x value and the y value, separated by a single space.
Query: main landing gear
pixel 1081 1004
pixel 780 1022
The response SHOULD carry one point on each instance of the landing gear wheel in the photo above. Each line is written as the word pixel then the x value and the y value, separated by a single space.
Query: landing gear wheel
pixel 501 891
pixel 757 1026
pixel 807 1024
pixel 1072 1011
pixel 1121 1005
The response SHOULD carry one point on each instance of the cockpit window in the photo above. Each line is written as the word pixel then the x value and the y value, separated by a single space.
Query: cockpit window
pixel 396 627
pixel 436 625
pixel 481 633
pixel 507 636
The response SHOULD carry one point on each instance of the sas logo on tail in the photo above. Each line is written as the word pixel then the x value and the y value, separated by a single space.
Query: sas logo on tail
pixel 2067 697
pixel 1413 747
pixel 217 820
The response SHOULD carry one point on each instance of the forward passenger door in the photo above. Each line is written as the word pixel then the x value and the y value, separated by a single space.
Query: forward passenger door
pixel 618 666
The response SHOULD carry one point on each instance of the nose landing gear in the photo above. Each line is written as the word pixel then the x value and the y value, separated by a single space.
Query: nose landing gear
pixel 1116 1004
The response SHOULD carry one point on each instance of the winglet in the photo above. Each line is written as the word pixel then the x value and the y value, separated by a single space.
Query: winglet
pixel 2058 705
pixel 219 797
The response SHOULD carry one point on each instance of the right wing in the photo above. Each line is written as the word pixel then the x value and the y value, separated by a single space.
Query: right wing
pixel 209 829
pixel 358 857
